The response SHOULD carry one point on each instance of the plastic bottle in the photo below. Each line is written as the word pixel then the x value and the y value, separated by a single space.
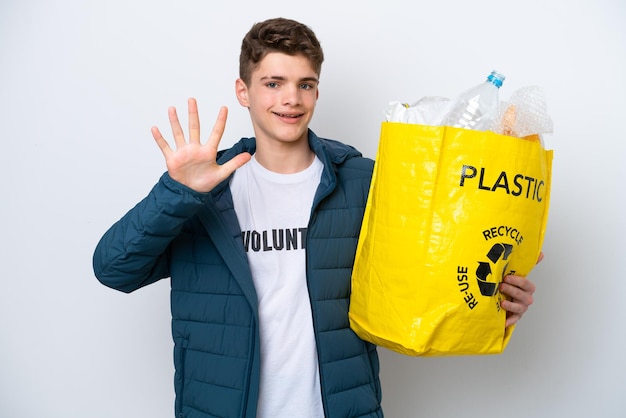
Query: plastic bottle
pixel 478 107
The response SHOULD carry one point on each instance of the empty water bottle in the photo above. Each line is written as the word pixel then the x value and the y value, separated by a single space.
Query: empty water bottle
pixel 478 107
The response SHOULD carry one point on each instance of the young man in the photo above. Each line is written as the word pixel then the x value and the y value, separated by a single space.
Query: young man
pixel 259 242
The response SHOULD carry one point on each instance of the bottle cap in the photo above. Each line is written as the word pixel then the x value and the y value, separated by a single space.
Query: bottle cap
pixel 496 78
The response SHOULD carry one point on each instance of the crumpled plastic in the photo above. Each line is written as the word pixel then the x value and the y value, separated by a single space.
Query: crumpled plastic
pixel 426 111
pixel 525 114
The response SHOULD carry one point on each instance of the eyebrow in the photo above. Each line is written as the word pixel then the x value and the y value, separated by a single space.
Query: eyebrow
pixel 281 78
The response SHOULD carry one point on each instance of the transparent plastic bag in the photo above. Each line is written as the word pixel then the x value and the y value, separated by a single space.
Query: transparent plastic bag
pixel 525 114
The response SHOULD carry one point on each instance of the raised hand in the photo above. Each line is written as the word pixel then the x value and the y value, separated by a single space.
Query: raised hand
pixel 193 163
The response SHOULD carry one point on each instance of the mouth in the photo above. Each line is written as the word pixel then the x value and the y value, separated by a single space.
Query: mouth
pixel 289 115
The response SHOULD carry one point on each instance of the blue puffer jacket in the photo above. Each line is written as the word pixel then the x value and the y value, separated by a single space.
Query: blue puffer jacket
pixel 195 239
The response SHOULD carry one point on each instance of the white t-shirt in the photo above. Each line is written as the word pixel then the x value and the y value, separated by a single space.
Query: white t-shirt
pixel 273 211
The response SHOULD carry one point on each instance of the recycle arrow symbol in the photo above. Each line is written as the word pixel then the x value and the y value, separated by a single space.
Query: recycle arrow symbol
pixel 483 270
pixel 497 252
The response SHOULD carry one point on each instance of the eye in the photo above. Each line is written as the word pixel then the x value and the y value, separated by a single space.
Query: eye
pixel 272 85
pixel 306 86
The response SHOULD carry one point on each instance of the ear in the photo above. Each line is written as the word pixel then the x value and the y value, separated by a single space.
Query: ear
pixel 241 90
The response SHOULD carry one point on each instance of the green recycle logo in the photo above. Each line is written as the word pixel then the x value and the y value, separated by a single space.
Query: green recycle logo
pixel 498 254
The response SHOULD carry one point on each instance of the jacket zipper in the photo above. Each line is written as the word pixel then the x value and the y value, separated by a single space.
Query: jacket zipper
pixel 182 356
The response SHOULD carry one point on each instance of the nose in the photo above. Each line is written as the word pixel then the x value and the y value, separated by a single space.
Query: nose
pixel 291 95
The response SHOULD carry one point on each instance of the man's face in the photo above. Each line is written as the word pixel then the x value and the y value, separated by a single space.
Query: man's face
pixel 281 97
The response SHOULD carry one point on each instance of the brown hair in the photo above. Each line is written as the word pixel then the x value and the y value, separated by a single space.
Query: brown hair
pixel 278 35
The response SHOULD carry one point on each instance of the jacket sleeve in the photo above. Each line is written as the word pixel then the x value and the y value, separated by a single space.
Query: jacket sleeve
pixel 134 251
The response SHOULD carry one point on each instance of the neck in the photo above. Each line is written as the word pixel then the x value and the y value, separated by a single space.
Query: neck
pixel 284 158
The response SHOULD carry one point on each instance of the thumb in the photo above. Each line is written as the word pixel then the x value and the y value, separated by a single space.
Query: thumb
pixel 234 163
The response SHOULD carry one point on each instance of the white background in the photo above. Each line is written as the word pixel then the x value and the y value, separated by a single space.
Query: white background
pixel 82 82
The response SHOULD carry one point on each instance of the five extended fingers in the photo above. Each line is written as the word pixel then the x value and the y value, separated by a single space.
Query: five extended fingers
pixel 194 128
pixel 197 167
